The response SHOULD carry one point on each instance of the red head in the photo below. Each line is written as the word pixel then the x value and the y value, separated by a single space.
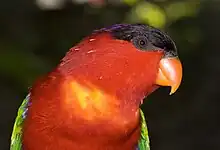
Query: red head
pixel 126 62
pixel 101 82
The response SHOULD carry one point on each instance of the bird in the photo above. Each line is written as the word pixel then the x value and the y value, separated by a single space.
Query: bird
pixel 91 100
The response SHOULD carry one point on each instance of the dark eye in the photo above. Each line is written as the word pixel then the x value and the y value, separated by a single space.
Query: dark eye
pixel 140 42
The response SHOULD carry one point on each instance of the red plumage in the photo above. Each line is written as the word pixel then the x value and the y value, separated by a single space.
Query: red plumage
pixel 123 74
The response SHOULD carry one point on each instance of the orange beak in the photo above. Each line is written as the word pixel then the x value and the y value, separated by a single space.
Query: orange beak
pixel 170 73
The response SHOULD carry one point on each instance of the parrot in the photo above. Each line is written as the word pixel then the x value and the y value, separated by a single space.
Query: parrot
pixel 91 100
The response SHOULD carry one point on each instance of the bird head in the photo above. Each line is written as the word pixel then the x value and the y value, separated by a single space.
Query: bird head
pixel 120 65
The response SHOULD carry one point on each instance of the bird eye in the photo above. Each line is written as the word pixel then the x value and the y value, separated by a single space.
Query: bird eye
pixel 140 42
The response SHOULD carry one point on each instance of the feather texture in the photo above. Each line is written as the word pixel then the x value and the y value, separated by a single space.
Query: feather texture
pixel 143 143
pixel 16 138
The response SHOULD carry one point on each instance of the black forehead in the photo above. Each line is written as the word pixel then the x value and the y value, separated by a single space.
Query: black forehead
pixel 155 36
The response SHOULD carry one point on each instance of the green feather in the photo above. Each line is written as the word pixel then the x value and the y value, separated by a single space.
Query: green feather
pixel 143 143
pixel 16 138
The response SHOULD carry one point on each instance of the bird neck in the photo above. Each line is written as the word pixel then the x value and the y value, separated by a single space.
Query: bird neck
pixel 65 110
pixel 91 99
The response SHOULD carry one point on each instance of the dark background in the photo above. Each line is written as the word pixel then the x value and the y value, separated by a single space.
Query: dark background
pixel 35 35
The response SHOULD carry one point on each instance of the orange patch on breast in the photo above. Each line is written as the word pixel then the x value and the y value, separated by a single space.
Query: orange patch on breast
pixel 88 101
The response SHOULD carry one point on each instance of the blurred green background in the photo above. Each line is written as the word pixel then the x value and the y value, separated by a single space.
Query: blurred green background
pixel 35 35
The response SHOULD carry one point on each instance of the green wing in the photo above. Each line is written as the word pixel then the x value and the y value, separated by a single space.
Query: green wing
pixel 143 143
pixel 16 142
